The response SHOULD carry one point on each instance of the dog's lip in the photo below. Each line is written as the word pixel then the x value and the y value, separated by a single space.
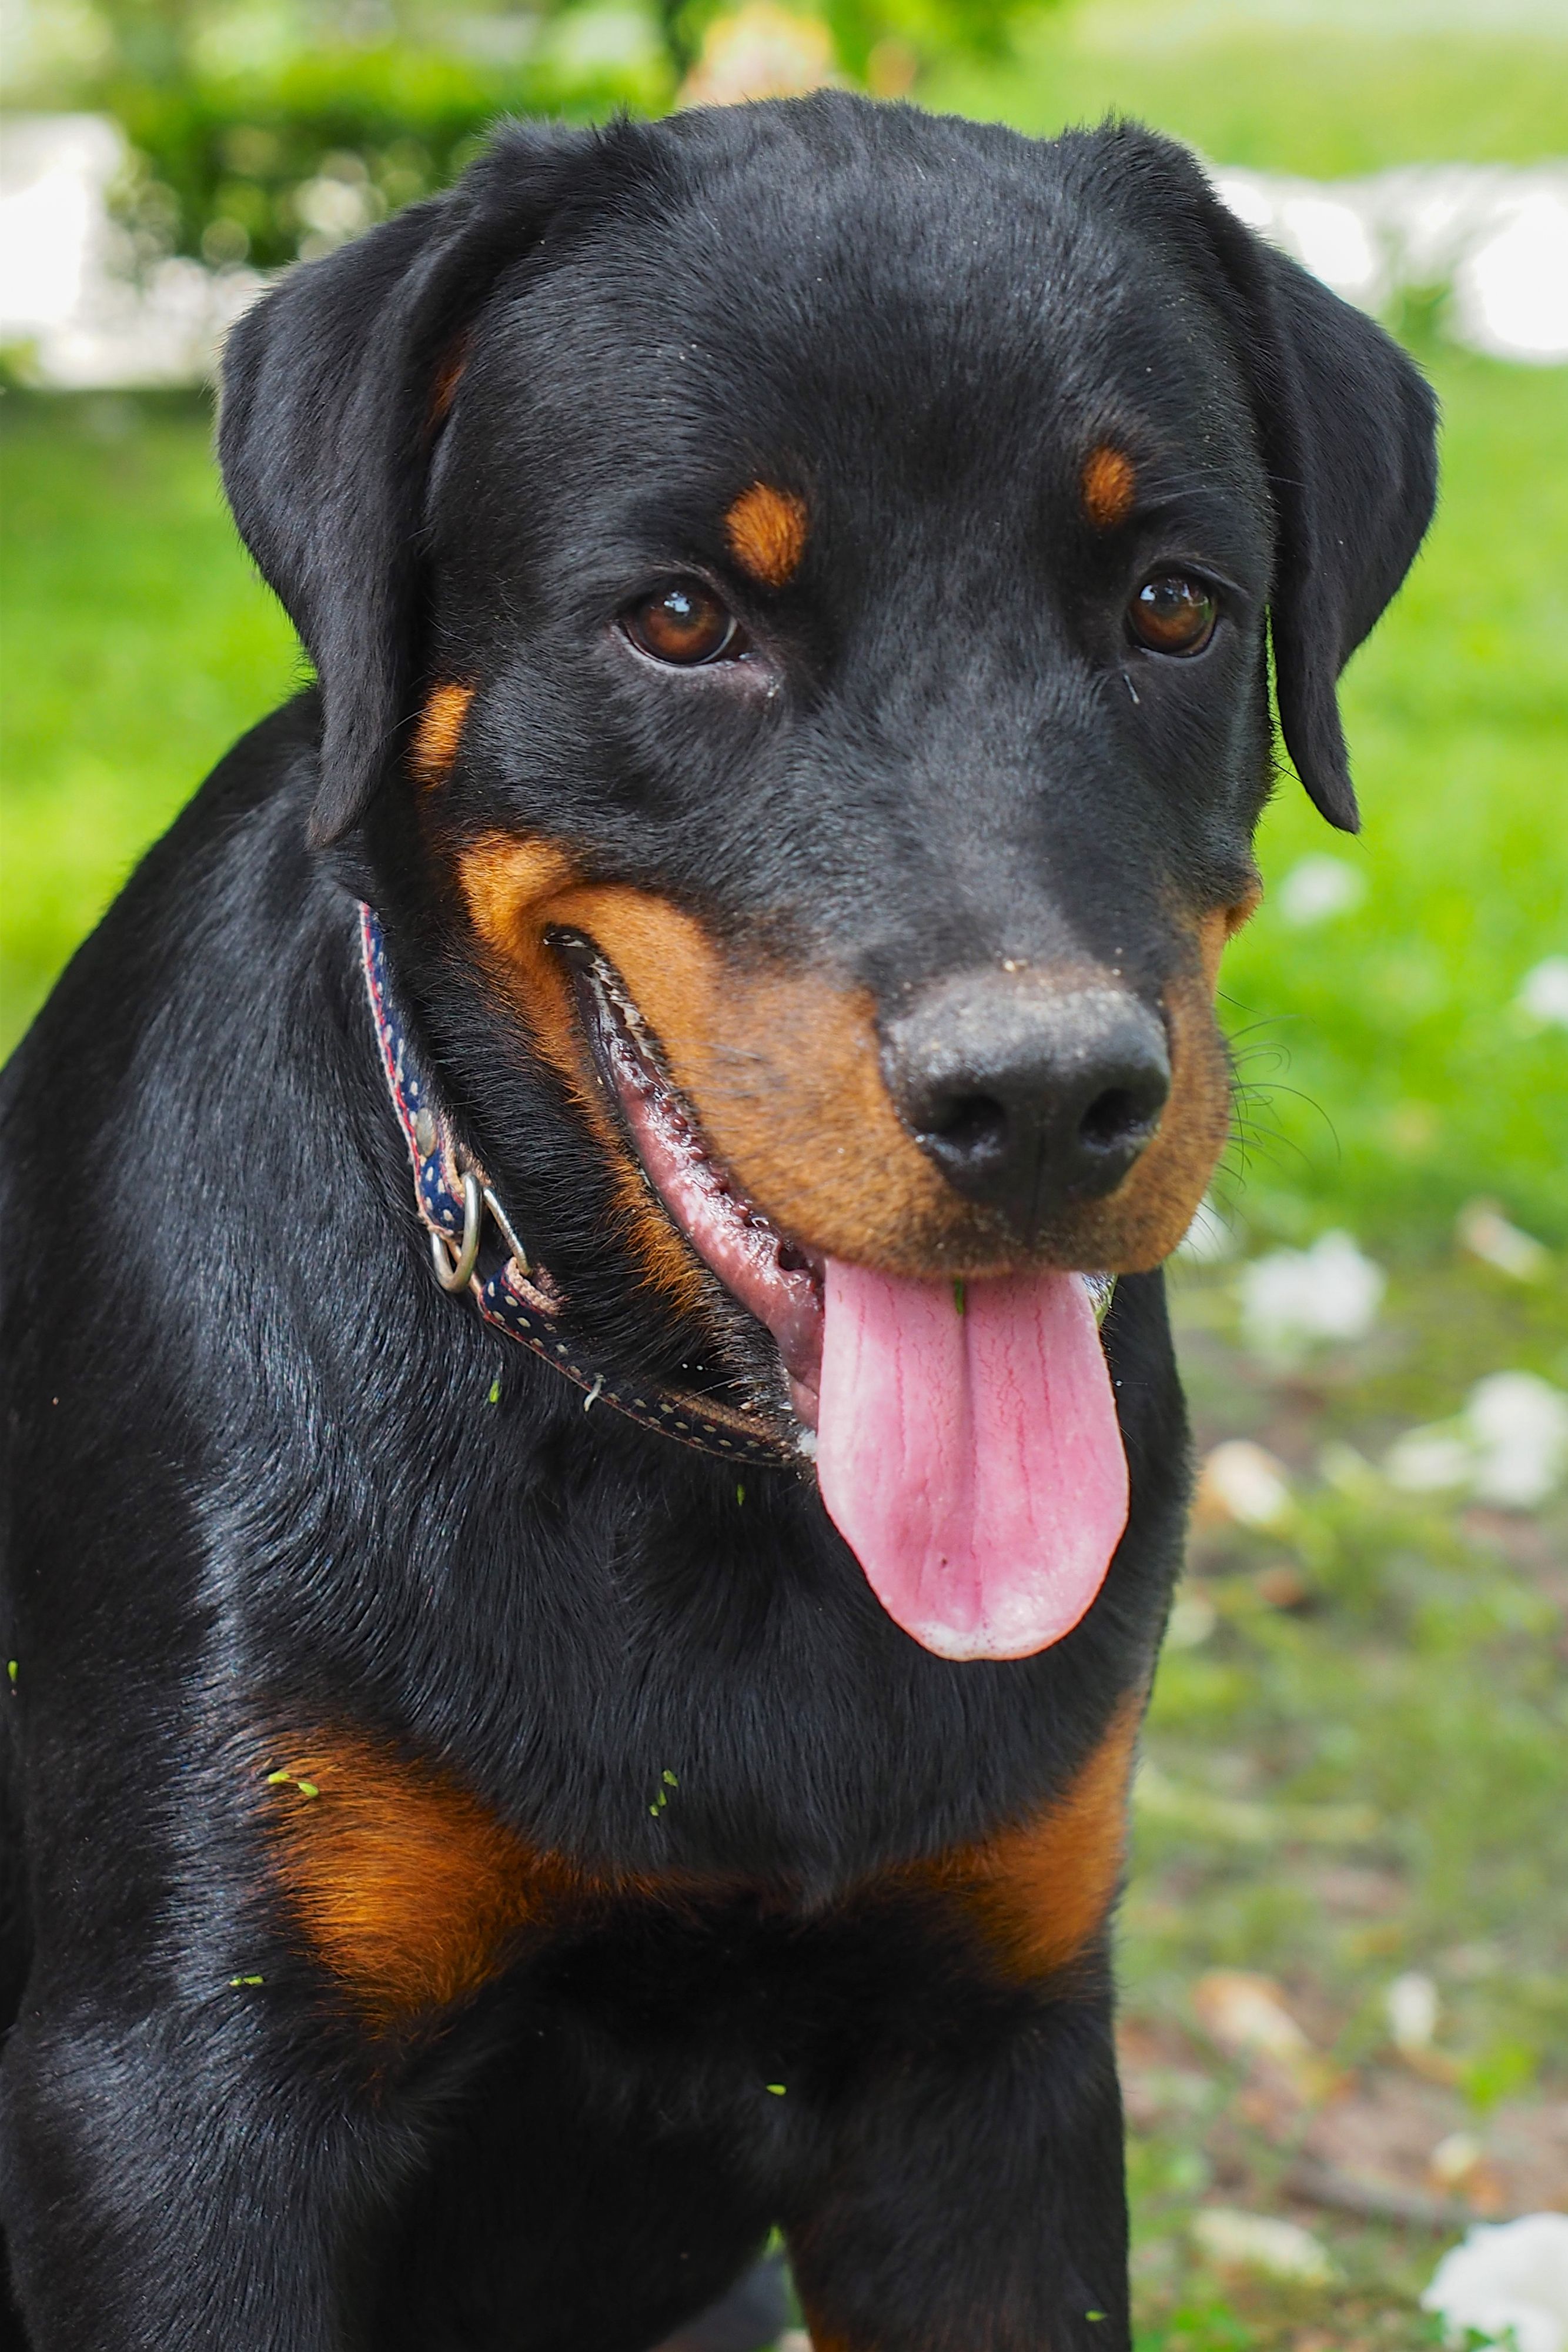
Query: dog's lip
pixel 775 1278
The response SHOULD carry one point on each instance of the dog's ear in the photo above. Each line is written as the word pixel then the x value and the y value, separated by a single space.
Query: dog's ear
pixel 1348 428
pixel 333 389
pixel 1350 438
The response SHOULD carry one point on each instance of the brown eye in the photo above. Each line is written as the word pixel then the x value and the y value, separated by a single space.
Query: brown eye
pixel 1173 613
pixel 683 624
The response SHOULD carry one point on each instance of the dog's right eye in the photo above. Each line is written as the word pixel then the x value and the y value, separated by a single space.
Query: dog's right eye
pixel 1173 613
pixel 683 624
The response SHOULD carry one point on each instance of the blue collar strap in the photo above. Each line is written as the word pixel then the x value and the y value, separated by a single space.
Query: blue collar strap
pixel 515 1296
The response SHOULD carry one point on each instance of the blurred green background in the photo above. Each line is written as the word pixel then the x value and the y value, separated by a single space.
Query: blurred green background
pixel 1357 1768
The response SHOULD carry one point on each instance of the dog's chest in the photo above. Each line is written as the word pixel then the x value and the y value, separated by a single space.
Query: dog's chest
pixel 415 1897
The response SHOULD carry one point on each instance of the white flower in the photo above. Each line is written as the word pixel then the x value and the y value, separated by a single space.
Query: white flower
pixel 1509 1446
pixel 1243 1481
pixel 1430 1461
pixel 1318 888
pixel 1511 2276
pixel 1411 2004
pixel 1456 2158
pixel 1543 992
pixel 1519 1425
pixel 1483 1230
pixel 1293 1297
pixel 1256 2242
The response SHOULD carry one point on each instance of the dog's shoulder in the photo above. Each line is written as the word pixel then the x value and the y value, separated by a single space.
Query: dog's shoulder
pixel 232 861
pixel 142 1116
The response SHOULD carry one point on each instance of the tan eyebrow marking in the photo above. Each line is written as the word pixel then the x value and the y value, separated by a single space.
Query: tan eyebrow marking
pixel 439 732
pixel 766 532
pixel 1108 482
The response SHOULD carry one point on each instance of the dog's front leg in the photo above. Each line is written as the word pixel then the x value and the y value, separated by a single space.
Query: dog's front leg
pixel 975 2200
pixel 188 2180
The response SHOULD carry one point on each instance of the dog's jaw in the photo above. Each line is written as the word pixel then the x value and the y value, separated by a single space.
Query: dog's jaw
pixel 772 1277
pixel 968 1453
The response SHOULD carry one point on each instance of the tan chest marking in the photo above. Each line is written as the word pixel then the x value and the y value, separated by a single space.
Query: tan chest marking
pixel 1038 1892
pixel 406 1889
pixel 767 531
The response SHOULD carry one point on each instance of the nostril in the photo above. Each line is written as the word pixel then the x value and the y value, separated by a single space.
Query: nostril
pixel 970 1124
pixel 1116 1119
pixel 1029 1098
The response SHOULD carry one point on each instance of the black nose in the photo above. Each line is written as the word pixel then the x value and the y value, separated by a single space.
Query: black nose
pixel 1027 1095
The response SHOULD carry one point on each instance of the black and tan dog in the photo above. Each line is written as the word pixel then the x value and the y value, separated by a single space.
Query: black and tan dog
pixel 582 1576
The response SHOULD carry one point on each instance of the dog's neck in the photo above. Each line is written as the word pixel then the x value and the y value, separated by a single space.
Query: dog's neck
pixel 475 1247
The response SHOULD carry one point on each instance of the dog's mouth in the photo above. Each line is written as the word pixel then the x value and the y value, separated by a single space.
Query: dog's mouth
pixel 777 1283
pixel 964 1434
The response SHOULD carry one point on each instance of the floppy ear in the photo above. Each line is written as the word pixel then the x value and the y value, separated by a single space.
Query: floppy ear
pixel 1348 428
pixel 1350 439
pixel 332 388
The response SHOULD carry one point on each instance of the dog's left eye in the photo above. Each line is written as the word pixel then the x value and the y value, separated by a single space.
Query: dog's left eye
pixel 1173 613
pixel 683 624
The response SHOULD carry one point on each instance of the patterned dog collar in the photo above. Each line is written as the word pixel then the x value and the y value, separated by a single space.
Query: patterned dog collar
pixel 453 1198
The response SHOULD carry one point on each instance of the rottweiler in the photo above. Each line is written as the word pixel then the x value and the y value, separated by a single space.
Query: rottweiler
pixel 596 1468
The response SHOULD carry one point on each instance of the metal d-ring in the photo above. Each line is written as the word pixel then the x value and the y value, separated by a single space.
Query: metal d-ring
pixel 455 1273
pixel 519 1255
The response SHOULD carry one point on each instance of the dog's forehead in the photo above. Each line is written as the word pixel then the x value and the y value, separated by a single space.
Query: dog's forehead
pixel 945 307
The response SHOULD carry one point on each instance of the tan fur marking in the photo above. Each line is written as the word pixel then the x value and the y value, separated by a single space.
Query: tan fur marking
pixel 448 377
pixel 1108 484
pixel 1214 930
pixel 439 732
pixel 783 1066
pixel 408 1890
pixel 516 892
pixel 778 1062
pixel 1038 1892
pixel 805 1122
pixel 1144 1220
pixel 766 533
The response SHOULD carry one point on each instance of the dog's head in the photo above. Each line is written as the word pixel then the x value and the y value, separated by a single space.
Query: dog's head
pixel 792 590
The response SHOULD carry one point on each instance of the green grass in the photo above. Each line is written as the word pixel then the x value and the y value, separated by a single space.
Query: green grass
pixel 137 642
pixel 1330 93
pixel 1419 1086
pixel 1369 1779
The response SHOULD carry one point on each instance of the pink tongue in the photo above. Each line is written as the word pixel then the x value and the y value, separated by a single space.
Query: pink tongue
pixel 971 1461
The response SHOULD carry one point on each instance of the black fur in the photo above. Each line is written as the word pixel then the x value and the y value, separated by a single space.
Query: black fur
pixel 254 1475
